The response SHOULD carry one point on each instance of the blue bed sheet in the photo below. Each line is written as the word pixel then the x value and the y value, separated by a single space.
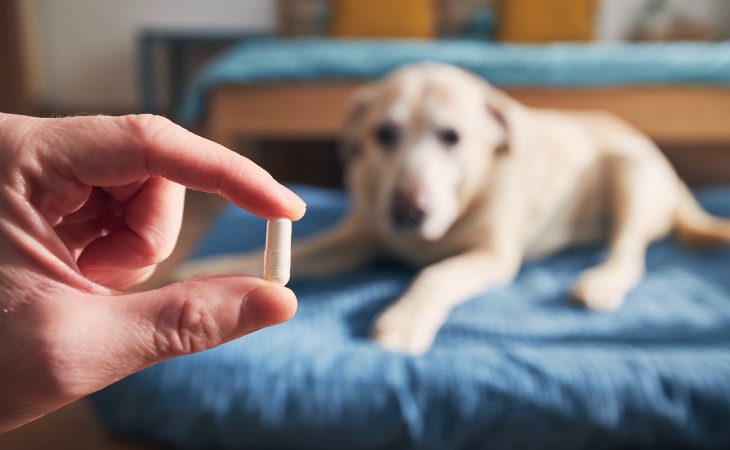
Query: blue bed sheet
pixel 520 367
pixel 571 65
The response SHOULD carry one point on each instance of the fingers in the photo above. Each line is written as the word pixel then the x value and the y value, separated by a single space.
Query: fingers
pixel 121 279
pixel 116 151
pixel 151 225
pixel 192 316
pixel 88 342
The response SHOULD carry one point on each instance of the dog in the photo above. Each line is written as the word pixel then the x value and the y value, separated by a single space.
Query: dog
pixel 451 175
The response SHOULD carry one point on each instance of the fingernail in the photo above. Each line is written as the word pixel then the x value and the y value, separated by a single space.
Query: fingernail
pixel 294 199
pixel 268 305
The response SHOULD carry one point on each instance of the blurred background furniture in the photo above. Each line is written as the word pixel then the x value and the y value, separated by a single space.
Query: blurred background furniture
pixel 183 52
pixel 297 90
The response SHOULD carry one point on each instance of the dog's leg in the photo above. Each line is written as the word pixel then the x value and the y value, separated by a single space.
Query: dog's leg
pixel 345 247
pixel 248 264
pixel 411 323
pixel 643 197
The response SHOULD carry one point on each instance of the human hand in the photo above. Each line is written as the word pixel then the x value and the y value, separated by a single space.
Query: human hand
pixel 90 206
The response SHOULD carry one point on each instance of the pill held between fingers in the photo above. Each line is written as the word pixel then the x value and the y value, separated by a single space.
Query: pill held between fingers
pixel 277 255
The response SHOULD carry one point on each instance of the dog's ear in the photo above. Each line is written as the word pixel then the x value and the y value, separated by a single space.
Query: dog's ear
pixel 503 147
pixel 501 108
pixel 349 146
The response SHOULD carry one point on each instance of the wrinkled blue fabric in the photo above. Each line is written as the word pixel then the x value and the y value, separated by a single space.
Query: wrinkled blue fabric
pixel 516 368
pixel 567 65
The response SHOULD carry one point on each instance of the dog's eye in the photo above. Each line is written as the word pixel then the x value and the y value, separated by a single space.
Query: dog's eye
pixel 449 137
pixel 386 135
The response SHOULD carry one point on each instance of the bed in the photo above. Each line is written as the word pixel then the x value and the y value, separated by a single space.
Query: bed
pixel 677 93
pixel 520 367
pixel 266 90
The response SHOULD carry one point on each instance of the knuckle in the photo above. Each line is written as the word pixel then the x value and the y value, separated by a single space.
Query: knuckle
pixel 186 328
pixel 144 124
pixel 146 128
pixel 154 247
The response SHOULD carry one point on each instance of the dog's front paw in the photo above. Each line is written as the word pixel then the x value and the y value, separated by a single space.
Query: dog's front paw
pixel 400 329
pixel 602 288
pixel 250 264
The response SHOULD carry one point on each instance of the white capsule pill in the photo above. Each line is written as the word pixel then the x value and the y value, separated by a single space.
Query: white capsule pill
pixel 277 256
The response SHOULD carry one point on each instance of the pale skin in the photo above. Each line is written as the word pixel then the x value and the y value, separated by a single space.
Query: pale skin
pixel 88 207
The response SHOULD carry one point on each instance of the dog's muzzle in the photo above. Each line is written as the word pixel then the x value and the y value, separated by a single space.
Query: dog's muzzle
pixel 407 211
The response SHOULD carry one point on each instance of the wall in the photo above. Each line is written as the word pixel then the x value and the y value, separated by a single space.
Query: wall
pixel 83 51
pixel 87 58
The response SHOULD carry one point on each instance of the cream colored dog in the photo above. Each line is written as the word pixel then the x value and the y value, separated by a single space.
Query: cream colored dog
pixel 451 175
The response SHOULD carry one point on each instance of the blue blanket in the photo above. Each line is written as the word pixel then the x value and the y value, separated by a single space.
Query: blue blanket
pixel 520 367
pixel 567 65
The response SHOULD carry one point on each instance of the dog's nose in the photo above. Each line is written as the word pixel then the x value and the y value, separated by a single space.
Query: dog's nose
pixel 406 211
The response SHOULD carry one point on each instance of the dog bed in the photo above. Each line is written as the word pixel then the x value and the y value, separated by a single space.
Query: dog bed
pixel 520 367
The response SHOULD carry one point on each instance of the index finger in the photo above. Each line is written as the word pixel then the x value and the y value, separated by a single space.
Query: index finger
pixel 114 151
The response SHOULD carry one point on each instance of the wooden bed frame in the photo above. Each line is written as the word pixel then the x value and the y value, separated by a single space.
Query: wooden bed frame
pixel 691 124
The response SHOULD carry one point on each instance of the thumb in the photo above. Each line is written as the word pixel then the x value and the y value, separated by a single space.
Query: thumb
pixel 194 315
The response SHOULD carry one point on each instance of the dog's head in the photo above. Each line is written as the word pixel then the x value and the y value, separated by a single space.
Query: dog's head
pixel 419 145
